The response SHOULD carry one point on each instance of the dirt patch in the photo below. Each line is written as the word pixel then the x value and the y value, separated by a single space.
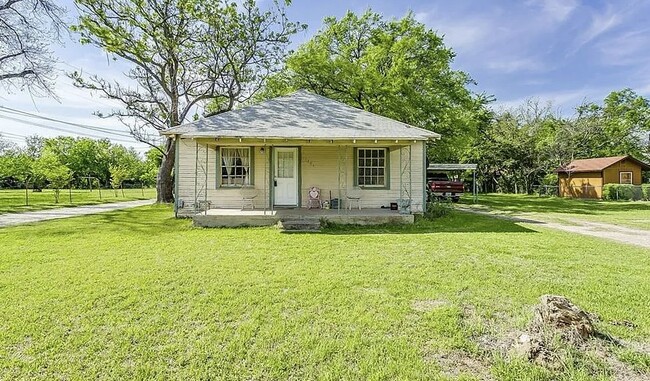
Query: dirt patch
pixel 20 350
pixel 558 334
pixel 560 337
pixel 427 305
pixel 620 371
pixel 458 363
pixel 637 346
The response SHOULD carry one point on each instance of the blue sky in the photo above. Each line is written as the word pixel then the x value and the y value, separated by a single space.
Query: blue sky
pixel 562 51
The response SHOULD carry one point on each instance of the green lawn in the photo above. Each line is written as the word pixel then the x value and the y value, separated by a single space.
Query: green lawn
pixel 136 294
pixel 13 201
pixel 634 214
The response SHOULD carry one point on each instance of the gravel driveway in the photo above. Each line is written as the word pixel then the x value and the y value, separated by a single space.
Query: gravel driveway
pixel 612 232
pixel 10 219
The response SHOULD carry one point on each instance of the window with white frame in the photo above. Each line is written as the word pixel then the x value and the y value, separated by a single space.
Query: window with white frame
pixel 235 166
pixel 371 167
pixel 625 177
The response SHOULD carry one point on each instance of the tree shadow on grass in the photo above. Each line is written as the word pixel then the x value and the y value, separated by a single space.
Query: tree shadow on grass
pixel 455 222
pixel 156 220
pixel 142 220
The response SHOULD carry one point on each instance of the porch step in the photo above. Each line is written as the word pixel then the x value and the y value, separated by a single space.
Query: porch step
pixel 302 225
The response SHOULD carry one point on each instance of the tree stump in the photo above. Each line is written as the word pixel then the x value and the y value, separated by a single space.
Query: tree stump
pixel 558 312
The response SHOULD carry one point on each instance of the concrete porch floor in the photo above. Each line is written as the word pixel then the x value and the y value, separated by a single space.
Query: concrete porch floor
pixel 257 217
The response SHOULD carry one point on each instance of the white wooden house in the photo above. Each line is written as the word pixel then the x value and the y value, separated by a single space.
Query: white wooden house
pixel 277 150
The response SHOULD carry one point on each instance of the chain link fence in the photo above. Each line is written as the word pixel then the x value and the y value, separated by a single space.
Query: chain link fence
pixel 546 190
pixel 613 192
pixel 21 195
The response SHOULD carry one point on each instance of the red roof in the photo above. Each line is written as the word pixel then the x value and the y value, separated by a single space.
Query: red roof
pixel 598 164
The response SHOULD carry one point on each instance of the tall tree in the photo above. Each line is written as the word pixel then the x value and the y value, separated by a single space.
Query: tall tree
pixel 396 68
pixel 34 146
pixel 513 151
pixel 184 53
pixel 521 147
pixel 619 126
pixel 27 28
pixel 150 166
pixel 6 145
pixel 49 167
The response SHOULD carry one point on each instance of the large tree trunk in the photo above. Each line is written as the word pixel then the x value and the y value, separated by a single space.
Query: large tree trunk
pixel 165 180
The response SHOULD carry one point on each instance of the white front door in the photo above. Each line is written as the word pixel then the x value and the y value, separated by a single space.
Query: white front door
pixel 285 168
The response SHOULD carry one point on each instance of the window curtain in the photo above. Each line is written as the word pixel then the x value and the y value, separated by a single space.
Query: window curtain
pixel 244 156
pixel 229 159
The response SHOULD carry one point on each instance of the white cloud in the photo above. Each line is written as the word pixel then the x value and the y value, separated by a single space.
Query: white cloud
pixel 643 90
pixel 534 82
pixel 421 16
pixel 625 49
pixel 468 34
pixel 600 24
pixel 557 10
pixel 564 101
pixel 512 65
pixel 503 40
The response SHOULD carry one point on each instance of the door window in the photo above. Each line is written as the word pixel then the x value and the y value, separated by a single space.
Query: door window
pixel 285 165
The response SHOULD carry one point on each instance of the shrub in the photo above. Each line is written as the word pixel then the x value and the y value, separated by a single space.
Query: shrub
pixel 438 208
pixel 625 192
pixel 609 193
pixel 645 188
pixel 550 179
pixel 637 192
pixel 621 192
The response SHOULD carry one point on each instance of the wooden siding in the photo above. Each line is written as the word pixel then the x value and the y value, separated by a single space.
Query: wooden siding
pixel 590 184
pixel 318 166
pixel 581 185
pixel 611 174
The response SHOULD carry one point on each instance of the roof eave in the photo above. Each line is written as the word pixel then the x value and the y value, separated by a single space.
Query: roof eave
pixel 323 138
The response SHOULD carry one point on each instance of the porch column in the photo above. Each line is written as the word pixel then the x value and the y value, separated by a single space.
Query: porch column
pixel 405 183
pixel 201 163
pixel 342 174
pixel 206 170
pixel 196 175
pixel 267 195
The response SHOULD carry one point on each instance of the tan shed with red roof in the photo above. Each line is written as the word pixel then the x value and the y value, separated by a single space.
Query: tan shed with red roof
pixel 585 178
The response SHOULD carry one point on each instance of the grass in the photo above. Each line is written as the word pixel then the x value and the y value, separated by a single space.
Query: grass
pixel 13 200
pixel 634 214
pixel 136 294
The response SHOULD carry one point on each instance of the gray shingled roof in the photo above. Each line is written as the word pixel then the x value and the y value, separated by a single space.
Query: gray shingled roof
pixel 301 115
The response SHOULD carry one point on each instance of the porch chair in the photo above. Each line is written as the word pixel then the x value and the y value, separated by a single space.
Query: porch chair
pixel 354 195
pixel 313 198
pixel 248 195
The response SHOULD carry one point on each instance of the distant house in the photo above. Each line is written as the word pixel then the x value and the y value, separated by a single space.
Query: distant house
pixel 277 150
pixel 585 178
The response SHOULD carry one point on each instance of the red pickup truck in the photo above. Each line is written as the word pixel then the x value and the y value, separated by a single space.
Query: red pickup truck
pixel 441 187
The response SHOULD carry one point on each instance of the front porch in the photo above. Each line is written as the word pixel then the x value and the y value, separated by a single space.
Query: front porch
pixel 267 176
pixel 238 217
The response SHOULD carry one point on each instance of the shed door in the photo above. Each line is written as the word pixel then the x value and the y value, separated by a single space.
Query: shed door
pixel 286 176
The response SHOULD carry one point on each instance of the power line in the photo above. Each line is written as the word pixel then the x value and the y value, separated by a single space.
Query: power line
pixel 92 128
pixel 103 130
pixel 35 124
pixel 11 138
pixel 7 134
pixel 15 138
